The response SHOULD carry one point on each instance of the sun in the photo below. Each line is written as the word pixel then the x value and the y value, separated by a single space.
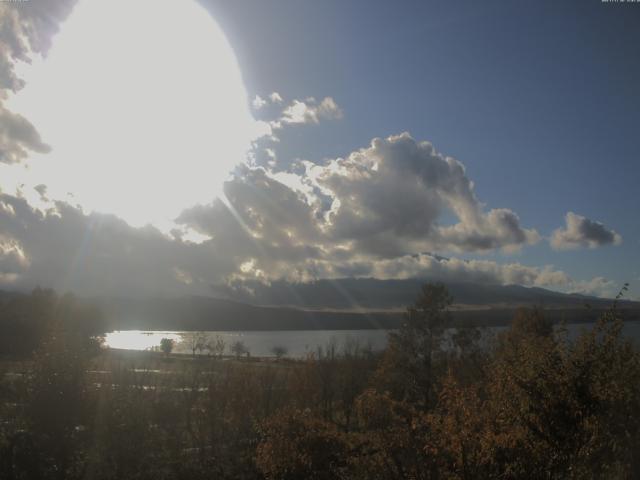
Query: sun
pixel 143 104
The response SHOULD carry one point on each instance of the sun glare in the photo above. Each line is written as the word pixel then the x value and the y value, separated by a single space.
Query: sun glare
pixel 143 104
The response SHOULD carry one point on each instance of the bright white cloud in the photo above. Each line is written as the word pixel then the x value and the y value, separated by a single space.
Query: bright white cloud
pixel 258 102
pixel 310 111
pixel 388 199
pixel 275 97
pixel 580 231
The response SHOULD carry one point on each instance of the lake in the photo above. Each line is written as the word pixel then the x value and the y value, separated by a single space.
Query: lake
pixel 298 343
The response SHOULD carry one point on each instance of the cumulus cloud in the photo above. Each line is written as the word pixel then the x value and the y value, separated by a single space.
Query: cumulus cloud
pixel 12 258
pixel 264 231
pixel 380 202
pixel 42 191
pixel 259 102
pixel 17 137
pixel 310 111
pixel 580 231
pixel 483 271
pixel 370 214
pixel 388 199
pixel 262 156
pixel 276 118
pixel 26 29
pixel 275 97
pixel 598 286
pixel 490 272
pixel 261 221
pixel 98 254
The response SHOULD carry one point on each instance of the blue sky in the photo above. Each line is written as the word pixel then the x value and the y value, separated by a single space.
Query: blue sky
pixel 539 100
pixel 124 139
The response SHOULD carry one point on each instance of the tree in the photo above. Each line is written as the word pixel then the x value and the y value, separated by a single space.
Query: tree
pixel 407 368
pixel 166 345
pixel 560 408
pixel 279 351
pixel 218 346
pixel 239 348
pixel 197 341
pixel 58 409
pixel 297 445
pixel 27 321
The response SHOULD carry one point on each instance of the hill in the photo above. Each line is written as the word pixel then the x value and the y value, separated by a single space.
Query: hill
pixel 371 294
pixel 339 304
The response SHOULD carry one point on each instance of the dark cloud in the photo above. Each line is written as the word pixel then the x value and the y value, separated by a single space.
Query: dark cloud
pixel 98 254
pixel 261 223
pixel 26 29
pixel 42 191
pixel 580 231
pixel 17 137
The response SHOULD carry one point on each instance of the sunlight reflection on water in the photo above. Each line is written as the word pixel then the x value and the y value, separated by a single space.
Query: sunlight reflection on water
pixel 138 339
pixel 297 343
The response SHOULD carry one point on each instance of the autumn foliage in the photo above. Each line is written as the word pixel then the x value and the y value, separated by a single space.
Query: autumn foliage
pixel 535 405
pixel 531 402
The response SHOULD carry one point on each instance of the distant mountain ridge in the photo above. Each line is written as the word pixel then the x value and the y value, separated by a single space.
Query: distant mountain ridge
pixel 207 313
pixel 370 293
pixel 345 304
pixel 340 304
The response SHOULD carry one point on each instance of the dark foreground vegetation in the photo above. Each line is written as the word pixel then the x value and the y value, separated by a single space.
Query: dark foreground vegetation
pixel 532 405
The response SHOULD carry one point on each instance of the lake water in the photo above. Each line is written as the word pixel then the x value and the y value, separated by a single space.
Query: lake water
pixel 298 343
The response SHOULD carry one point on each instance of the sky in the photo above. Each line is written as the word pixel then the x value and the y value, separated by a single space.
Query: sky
pixel 170 147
